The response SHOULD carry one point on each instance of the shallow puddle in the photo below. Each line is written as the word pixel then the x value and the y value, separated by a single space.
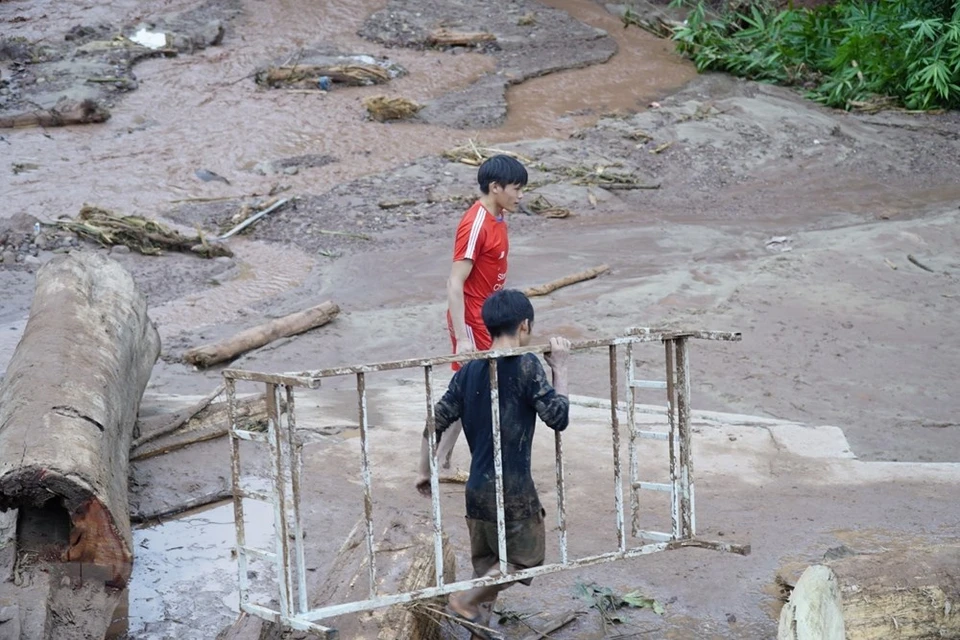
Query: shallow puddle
pixel 184 581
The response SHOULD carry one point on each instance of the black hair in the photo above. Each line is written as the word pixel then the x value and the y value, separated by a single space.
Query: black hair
pixel 502 169
pixel 505 311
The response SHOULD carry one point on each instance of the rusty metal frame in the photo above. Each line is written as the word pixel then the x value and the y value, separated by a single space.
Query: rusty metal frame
pixel 285 454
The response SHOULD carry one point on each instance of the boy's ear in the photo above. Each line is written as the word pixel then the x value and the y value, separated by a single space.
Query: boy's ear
pixel 525 325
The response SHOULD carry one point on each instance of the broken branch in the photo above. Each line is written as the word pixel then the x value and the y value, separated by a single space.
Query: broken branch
pixel 168 424
pixel 919 264
pixel 550 287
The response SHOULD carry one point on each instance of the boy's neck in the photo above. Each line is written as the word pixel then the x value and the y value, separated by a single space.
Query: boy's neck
pixel 506 342
pixel 490 205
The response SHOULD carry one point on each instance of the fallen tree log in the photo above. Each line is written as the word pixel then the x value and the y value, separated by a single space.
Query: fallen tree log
pixel 61 115
pixel 69 402
pixel 550 287
pixel 903 594
pixel 255 337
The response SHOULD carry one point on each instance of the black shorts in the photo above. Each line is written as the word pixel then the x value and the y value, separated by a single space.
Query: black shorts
pixel 526 544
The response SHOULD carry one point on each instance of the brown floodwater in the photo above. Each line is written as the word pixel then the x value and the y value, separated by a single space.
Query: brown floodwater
pixel 202 112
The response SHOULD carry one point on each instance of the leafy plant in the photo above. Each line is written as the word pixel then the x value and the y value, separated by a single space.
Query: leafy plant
pixel 608 602
pixel 846 54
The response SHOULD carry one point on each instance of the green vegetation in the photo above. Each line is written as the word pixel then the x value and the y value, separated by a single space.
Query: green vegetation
pixel 852 54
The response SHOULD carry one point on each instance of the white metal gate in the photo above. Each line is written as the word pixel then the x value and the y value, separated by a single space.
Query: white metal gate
pixel 294 610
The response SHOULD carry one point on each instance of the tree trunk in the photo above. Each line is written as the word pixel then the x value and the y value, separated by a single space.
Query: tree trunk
pixel 903 594
pixel 68 405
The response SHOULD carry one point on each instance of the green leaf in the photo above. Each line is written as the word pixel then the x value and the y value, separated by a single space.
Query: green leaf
pixel 637 600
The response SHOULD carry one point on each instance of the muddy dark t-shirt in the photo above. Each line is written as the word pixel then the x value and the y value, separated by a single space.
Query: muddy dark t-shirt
pixel 524 394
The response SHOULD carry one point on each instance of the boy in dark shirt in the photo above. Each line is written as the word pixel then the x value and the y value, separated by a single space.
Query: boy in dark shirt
pixel 524 394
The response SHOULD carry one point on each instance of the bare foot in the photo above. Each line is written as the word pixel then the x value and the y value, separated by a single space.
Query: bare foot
pixel 461 608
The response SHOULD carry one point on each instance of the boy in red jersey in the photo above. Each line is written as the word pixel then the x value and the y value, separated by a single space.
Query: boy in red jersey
pixel 479 268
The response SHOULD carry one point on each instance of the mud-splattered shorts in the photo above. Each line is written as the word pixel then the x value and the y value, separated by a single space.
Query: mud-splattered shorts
pixel 526 544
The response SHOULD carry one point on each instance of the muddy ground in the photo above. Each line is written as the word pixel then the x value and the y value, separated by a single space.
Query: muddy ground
pixel 772 216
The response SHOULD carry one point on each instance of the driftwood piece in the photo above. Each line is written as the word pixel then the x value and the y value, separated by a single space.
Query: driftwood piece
pixel 355 74
pixel 255 337
pixel 550 287
pixel 152 428
pixel 450 38
pixel 69 402
pixel 906 594
pixel 63 114
pixel 208 422
pixel 186 505
pixel 555 624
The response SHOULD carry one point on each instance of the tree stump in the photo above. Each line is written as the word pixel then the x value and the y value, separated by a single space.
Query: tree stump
pixel 903 594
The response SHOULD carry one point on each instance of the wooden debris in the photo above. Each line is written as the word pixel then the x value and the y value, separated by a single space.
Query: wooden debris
pixel 541 206
pixel 604 178
pixel 890 264
pixel 147 236
pixel 68 406
pixel 474 154
pixel 383 108
pixel 448 38
pixel 394 204
pixel 550 287
pixel 405 562
pixel 187 505
pixel 661 148
pixel 912 259
pixel 908 593
pixel 639 135
pixel 460 477
pixel 527 19
pixel 151 429
pixel 210 423
pixel 255 337
pixel 555 624
pixel 63 114
pixel 247 217
pixel 353 74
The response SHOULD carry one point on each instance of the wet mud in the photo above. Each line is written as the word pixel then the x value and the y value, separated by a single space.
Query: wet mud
pixel 749 209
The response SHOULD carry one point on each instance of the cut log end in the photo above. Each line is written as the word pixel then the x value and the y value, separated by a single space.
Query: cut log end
pixel 95 543
pixel 896 594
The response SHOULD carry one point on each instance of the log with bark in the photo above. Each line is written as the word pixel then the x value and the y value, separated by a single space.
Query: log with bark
pixel 905 594
pixel 550 287
pixel 61 115
pixel 69 402
pixel 255 337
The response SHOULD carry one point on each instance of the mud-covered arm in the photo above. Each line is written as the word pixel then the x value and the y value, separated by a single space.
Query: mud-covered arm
pixel 553 408
pixel 450 406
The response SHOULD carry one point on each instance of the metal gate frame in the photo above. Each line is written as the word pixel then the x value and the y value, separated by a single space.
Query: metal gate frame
pixel 294 611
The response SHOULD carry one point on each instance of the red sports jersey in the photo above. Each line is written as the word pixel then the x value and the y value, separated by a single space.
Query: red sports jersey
pixel 481 238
